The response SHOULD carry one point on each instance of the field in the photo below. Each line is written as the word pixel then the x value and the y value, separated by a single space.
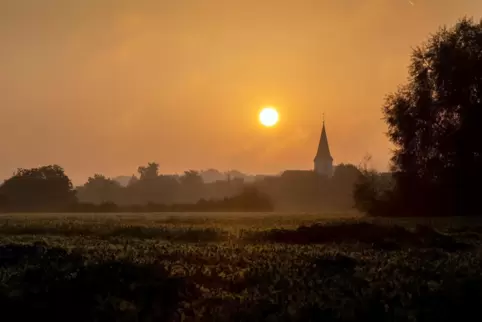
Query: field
pixel 238 267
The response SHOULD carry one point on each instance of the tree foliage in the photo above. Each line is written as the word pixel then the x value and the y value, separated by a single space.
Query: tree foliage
pixel 99 189
pixel 373 191
pixel 434 123
pixel 151 171
pixel 41 188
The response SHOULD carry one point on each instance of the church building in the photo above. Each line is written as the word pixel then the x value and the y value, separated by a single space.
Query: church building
pixel 323 159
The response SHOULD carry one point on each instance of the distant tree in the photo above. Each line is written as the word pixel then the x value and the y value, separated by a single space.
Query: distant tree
pixel 99 189
pixel 151 171
pixel 192 186
pixel 164 189
pixel 235 174
pixel 39 189
pixel 250 199
pixel 151 187
pixel 222 188
pixel 123 180
pixel 212 175
pixel 132 180
pixel 191 178
pixel 346 175
pixel 297 190
pixel 372 191
pixel 434 122
pixel 342 184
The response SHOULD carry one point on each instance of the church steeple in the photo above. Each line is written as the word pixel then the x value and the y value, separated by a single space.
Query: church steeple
pixel 323 159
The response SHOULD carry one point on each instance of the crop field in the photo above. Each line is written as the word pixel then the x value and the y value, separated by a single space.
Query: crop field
pixel 239 267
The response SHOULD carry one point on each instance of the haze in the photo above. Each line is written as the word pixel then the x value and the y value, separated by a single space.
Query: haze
pixel 105 86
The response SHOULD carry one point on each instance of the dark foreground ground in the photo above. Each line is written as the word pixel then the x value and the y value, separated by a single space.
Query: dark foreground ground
pixel 238 268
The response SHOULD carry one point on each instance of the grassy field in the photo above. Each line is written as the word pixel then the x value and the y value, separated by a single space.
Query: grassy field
pixel 239 267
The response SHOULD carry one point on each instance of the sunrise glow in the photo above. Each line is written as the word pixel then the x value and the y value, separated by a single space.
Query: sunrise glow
pixel 268 116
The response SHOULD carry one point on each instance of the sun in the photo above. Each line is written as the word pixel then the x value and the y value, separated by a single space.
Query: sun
pixel 268 116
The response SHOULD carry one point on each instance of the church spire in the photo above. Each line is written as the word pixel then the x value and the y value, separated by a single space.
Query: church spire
pixel 323 147
pixel 323 159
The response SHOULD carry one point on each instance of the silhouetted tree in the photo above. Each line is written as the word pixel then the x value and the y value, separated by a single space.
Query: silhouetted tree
pixel 46 188
pixel 99 189
pixel 132 180
pixel 434 123
pixel 342 183
pixel 192 186
pixel 299 190
pixel 373 191
pixel 212 175
pixel 346 174
pixel 250 199
pixel 223 188
pixel 152 187
pixel 191 178
pixel 151 171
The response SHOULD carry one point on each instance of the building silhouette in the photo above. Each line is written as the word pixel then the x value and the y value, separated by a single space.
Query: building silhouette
pixel 323 159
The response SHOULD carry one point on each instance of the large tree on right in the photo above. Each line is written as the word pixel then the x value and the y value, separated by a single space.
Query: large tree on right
pixel 435 123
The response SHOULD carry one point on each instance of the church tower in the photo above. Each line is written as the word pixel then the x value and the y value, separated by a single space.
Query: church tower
pixel 323 160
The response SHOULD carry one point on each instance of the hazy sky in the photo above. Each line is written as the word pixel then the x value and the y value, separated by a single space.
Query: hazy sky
pixel 103 86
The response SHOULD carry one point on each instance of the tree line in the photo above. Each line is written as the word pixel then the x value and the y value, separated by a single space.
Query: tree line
pixel 48 188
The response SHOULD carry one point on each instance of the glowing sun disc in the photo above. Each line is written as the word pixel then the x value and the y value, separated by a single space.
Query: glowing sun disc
pixel 268 116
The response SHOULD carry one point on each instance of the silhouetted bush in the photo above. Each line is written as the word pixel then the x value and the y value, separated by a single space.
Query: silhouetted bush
pixel 335 264
pixel 57 286
pixel 379 236
pixel 46 188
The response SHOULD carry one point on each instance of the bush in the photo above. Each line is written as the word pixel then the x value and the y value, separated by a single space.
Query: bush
pixel 374 192
pixel 379 236
pixel 57 286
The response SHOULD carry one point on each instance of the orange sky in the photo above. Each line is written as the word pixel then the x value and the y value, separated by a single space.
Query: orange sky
pixel 103 86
